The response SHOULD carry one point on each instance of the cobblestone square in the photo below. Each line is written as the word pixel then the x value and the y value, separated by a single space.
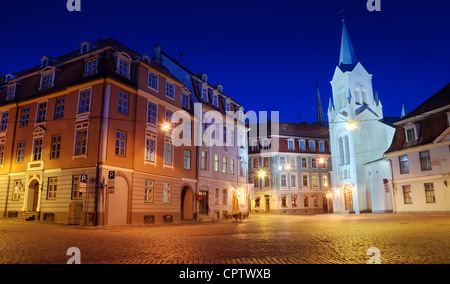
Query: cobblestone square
pixel 261 239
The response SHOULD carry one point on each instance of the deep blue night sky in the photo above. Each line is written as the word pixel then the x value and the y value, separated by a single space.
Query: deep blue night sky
pixel 268 55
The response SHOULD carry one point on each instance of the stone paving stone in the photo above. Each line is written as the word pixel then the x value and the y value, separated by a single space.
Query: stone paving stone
pixel 401 239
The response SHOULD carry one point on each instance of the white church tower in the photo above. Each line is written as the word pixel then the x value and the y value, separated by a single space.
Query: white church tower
pixel 359 137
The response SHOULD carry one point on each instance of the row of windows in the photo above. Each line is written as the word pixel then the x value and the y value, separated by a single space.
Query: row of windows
pixel 91 67
pixel 302 145
pixel 77 190
pixel 291 181
pixel 429 194
pixel 291 163
pixel 425 162
pixel 309 200
pixel 228 165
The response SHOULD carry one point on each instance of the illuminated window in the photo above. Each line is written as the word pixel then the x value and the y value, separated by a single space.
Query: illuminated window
pixel 294 200
pixel 325 181
pixel 224 165
pixel 216 163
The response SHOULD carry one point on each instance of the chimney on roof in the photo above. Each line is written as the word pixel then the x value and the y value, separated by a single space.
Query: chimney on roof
pixel 157 54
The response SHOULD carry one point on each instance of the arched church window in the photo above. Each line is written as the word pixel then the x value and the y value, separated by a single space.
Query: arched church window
pixel 341 151
pixel 347 150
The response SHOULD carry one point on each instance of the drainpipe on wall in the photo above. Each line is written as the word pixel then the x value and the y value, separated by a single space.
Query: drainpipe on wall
pixel 11 160
pixel 97 177
pixel 393 185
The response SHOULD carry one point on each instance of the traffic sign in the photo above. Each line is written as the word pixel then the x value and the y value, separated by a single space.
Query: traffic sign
pixel 112 175
pixel 83 183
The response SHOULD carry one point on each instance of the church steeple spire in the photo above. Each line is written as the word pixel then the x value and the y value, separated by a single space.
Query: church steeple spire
pixel 320 115
pixel 348 59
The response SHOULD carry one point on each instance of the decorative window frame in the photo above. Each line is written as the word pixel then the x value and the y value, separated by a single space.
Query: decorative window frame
pixel 38 133
pixel 11 91
pixel 84 114
pixel 152 137
pixel 204 92
pixel 118 56
pixel 408 127
pixel 80 126
pixel 36 123
pixel 303 149
pixel 47 71
pixel 156 81
pixel 168 82
pixel 289 141
pixel 91 58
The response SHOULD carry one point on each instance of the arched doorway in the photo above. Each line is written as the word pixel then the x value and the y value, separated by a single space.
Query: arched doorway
pixel 348 197
pixel 118 203
pixel 187 203
pixel 32 196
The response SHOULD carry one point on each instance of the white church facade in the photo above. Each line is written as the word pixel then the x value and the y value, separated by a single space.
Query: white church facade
pixel 359 136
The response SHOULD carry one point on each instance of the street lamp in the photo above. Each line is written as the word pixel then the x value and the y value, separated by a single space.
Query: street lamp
pixel 352 125
pixel 262 175
pixel 166 127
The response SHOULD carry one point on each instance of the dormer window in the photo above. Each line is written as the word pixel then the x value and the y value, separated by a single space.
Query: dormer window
pixel 227 106
pixel 205 93
pixel 215 100
pixel 411 131
pixel 123 64
pixel 47 78
pixel 205 77
pixel 11 93
pixel 85 47
pixel 91 66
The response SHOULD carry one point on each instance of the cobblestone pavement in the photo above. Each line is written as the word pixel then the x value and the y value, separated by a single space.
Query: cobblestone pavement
pixel 261 239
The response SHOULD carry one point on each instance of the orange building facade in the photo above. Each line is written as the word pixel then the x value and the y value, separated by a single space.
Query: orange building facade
pixel 83 140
